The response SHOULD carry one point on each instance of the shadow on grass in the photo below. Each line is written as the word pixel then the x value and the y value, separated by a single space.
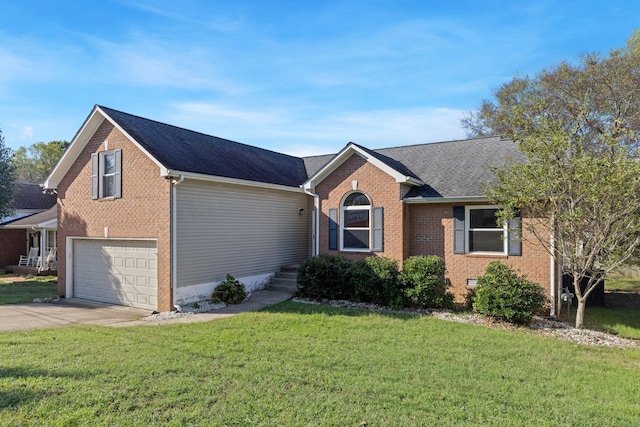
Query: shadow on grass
pixel 303 308
pixel 16 392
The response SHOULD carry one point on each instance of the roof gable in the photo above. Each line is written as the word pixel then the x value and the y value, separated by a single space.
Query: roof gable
pixel 181 151
pixel 395 169
pixel 448 170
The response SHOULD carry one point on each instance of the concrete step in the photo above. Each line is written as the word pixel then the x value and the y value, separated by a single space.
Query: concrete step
pixel 287 275
pixel 283 284
pixel 289 269
pixel 285 280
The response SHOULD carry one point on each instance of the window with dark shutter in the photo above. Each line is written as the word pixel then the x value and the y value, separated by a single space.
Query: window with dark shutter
pixel 355 223
pixel 378 235
pixel 333 229
pixel 458 230
pixel 515 240
pixel 94 176
pixel 106 174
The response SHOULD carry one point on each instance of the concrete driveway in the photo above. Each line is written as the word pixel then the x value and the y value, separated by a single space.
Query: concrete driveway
pixel 15 317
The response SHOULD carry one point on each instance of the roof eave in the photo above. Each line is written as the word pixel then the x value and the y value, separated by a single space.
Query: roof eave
pixel 344 154
pixel 80 141
pixel 170 173
pixel 439 200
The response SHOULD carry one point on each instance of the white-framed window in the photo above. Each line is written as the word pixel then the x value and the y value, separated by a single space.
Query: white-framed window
pixel 51 239
pixel 355 223
pixel 106 174
pixel 484 234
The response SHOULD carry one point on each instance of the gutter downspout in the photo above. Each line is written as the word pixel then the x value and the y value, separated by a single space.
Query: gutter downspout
pixel 315 231
pixel 174 244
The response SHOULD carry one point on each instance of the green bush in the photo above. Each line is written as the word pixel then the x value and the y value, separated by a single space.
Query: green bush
pixel 326 276
pixel 424 283
pixel 230 292
pixel 376 280
pixel 379 281
pixel 501 293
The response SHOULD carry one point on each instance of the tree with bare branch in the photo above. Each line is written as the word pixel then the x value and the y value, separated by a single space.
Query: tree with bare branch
pixel 579 127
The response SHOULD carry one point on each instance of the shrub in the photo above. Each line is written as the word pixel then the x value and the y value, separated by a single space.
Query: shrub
pixel 379 281
pixel 230 292
pixel 326 276
pixel 469 297
pixel 501 293
pixel 424 283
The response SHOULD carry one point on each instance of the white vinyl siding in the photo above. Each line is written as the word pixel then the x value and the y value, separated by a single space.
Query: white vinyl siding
pixel 240 230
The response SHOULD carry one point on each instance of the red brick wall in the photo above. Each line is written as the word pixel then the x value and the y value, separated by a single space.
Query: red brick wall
pixel 144 211
pixel 431 231
pixel 381 189
pixel 418 229
pixel 13 243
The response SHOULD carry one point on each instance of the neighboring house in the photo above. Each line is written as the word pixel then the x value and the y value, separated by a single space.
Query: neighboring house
pixel 33 224
pixel 152 215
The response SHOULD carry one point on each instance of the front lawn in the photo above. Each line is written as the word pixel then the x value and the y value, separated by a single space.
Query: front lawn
pixel 622 285
pixel 297 364
pixel 619 321
pixel 17 289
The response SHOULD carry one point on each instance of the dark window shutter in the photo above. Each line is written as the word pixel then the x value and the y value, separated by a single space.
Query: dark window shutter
pixel 514 230
pixel 333 229
pixel 118 175
pixel 95 171
pixel 378 234
pixel 458 229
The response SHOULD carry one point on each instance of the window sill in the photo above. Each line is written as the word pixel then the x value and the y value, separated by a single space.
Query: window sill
pixel 486 255
pixel 355 250
pixel 106 199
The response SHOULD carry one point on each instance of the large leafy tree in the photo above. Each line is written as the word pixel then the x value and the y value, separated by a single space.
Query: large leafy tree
pixel 34 163
pixel 579 127
pixel 7 179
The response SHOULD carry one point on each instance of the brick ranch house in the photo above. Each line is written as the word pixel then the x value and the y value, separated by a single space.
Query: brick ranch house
pixel 151 215
pixel 32 225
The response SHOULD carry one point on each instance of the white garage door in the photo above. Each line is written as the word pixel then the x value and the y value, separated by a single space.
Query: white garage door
pixel 116 271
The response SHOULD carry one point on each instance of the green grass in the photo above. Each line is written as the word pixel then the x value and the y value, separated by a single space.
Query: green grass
pixel 619 321
pixel 624 322
pixel 15 291
pixel 310 365
pixel 622 285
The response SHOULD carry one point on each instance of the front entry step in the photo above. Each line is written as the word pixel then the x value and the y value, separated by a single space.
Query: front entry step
pixel 285 280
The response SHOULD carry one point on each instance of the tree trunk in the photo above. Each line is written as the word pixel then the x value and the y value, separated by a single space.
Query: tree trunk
pixel 582 302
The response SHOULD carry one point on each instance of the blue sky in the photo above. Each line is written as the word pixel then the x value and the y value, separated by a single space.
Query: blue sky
pixel 297 77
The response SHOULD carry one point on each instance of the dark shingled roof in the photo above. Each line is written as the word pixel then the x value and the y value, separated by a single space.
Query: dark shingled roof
pixel 33 220
pixel 455 168
pixel 391 162
pixel 188 151
pixel 449 169
pixel 30 196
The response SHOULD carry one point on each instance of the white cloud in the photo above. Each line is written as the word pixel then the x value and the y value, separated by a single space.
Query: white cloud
pixel 26 132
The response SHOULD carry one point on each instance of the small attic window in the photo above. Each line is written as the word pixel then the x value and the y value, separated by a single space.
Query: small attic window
pixel 106 174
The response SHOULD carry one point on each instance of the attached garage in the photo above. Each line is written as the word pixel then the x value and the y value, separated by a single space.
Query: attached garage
pixel 121 272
